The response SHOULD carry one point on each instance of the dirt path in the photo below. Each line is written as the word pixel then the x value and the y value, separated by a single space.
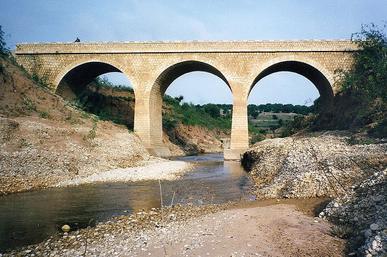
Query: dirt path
pixel 277 230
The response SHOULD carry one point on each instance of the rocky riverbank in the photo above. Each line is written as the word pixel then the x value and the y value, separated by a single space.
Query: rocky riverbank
pixel 329 164
pixel 312 165
pixel 361 216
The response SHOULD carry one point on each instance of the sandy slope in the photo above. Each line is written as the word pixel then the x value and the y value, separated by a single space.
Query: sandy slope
pixel 154 169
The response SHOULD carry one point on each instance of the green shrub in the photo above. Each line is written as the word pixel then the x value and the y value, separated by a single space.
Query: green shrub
pixel 92 133
pixel 44 114
pixel 368 76
pixel 4 51
pixel 256 138
pixel 29 104
pixel 362 102
pixel 103 82
pixel 298 123
pixel 40 81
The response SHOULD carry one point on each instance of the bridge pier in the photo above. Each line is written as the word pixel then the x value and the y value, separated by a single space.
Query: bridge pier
pixel 239 128
pixel 233 154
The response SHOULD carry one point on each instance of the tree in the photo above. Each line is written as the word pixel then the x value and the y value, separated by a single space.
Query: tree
pixel 179 98
pixel 3 47
pixel 212 110
pixel 368 78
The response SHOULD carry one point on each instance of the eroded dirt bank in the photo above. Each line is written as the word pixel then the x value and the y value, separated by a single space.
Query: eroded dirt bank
pixel 213 230
pixel 45 141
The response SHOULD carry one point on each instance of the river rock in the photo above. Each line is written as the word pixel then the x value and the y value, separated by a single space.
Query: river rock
pixel 66 228
pixel 374 226
pixel 366 202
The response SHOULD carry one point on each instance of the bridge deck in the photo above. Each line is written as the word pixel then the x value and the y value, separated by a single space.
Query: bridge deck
pixel 187 47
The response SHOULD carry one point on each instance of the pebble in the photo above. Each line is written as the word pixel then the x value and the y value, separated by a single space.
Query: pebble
pixel 374 226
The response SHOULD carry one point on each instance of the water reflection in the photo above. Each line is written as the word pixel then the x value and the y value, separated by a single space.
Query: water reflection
pixel 30 217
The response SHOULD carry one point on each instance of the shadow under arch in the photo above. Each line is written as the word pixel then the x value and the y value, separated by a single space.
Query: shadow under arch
pixel 78 85
pixel 158 89
pixel 80 75
pixel 314 75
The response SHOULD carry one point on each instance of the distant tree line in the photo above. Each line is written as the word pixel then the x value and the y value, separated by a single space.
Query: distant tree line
pixel 254 110
pixel 225 110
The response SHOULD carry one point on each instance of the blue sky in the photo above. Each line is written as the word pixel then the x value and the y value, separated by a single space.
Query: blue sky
pixel 52 21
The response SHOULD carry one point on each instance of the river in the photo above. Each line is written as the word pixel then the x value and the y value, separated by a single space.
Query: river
pixel 31 217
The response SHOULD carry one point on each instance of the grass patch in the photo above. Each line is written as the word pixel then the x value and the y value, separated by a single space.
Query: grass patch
pixel 92 133
pixel 44 115
pixel 28 104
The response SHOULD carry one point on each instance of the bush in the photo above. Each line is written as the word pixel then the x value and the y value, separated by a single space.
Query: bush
pixel 256 138
pixel 368 76
pixel 169 122
pixel 298 123
pixel 103 82
pixel 3 46
pixel 44 115
pixel 212 110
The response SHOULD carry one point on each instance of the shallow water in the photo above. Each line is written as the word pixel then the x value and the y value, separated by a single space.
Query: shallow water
pixel 30 217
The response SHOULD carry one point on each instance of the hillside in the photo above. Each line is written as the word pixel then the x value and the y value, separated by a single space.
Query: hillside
pixel 52 141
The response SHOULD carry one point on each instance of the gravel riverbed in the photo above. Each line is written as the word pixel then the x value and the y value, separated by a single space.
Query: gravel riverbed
pixel 151 170
pixel 211 230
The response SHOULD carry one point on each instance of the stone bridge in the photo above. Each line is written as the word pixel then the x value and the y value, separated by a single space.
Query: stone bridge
pixel 152 66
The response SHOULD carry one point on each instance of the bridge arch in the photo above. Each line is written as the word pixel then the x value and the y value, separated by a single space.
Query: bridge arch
pixel 80 73
pixel 162 82
pixel 72 84
pixel 102 66
pixel 317 74
pixel 313 71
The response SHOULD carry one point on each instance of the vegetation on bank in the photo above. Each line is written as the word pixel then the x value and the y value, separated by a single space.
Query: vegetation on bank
pixel 362 103
pixel 176 111
pixel 3 46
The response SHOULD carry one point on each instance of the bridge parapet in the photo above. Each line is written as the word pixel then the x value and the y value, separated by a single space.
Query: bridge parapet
pixel 188 46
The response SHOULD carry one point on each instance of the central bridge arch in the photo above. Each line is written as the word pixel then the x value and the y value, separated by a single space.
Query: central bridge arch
pixel 158 89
